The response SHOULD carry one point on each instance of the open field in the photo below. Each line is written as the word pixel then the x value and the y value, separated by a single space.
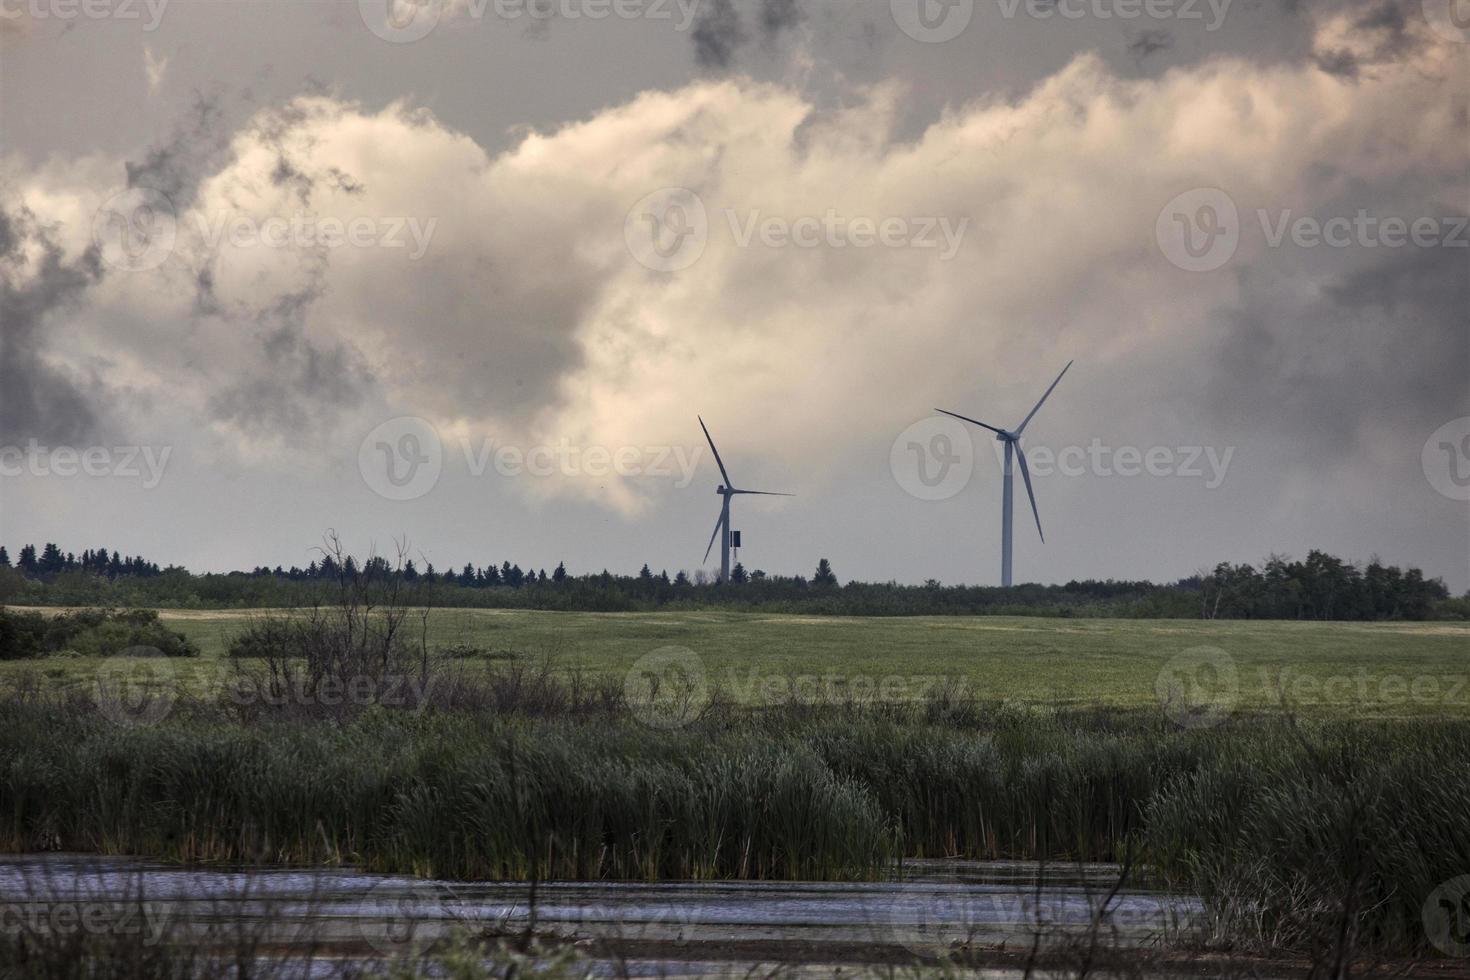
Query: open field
pixel 1350 669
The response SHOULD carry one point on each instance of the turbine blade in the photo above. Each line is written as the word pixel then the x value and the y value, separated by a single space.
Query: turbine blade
pixel 966 418
pixel 1022 427
pixel 766 493
pixel 1026 475
pixel 718 521
pixel 718 462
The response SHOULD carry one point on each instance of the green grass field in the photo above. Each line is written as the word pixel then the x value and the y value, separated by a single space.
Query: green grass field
pixel 1346 669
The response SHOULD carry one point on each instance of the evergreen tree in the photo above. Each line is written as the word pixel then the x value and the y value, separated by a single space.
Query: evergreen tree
pixel 51 559
pixel 27 562
pixel 560 575
pixel 824 574
pixel 737 574
pixel 4 557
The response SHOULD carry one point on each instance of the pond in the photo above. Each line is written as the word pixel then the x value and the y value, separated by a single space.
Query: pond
pixel 328 917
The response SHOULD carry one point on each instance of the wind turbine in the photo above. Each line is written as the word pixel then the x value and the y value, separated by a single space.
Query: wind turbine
pixel 722 526
pixel 1012 442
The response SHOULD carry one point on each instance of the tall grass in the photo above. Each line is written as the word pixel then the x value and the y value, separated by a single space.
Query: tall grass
pixel 1290 835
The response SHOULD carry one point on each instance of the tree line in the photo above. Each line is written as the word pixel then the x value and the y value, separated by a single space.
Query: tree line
pixel 1319 587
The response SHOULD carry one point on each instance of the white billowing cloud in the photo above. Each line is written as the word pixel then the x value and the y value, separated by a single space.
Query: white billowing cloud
pixel 497 295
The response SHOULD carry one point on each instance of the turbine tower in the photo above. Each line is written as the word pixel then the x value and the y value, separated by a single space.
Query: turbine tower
pixel 722 525
pixel 1012 442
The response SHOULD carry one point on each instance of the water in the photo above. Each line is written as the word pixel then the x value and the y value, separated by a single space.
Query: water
pixel 658 929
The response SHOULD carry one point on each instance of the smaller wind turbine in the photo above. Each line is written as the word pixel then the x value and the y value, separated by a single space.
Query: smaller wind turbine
pixel 1012 442
pixel 722 525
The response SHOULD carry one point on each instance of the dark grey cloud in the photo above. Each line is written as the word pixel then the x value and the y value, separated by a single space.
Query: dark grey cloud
pixel 175 165
pixel 720 31
pixel 36 400
pixel 717 34
pixel 1148 42
pixel 1382 27
pixel 300 386
pixel 1385 346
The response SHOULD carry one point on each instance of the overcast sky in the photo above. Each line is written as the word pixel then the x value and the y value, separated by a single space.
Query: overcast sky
pixel 461 272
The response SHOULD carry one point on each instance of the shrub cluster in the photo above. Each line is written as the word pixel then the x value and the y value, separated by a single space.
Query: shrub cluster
pixel 89 633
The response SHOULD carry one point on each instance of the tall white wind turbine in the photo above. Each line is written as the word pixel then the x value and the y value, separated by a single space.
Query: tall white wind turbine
pixel 1012 442
pixel 727 490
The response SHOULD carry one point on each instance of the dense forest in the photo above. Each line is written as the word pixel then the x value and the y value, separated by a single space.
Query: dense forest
pixel 1319 587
